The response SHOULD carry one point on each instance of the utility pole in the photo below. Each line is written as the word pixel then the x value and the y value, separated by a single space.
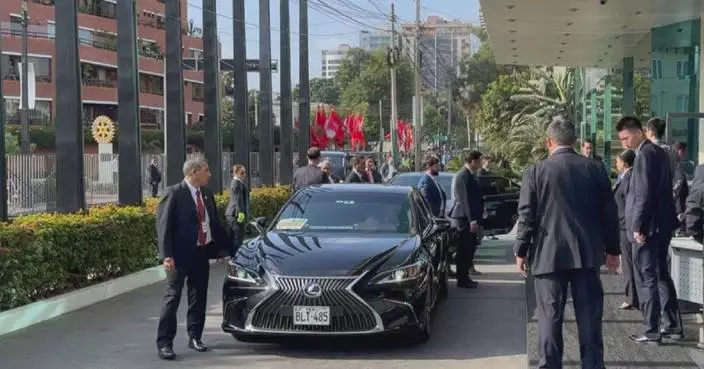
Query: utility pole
pixel 3 149
pixel 451 85
pixel 417 132
pixel 24 114
pixel 381 129
pixel 304 90
pixel 242 135
pixel 392 57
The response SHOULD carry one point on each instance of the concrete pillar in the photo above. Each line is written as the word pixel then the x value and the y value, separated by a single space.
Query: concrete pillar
pixel 628 99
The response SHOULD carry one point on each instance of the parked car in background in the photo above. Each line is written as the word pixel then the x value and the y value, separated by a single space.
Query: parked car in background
pixel 500 198
pixel 340 162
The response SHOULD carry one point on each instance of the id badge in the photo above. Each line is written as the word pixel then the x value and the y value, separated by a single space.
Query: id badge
pixel 204 227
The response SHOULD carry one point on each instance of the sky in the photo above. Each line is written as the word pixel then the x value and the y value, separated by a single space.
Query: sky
pixel 327 29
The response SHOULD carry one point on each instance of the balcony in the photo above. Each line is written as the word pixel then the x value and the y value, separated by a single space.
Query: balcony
pixel 98 8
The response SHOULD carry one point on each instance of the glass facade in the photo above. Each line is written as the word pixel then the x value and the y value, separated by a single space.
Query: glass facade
pixel 675 53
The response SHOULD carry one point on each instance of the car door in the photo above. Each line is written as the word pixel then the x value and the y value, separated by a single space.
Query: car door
pixel 500 204
pixel 435 242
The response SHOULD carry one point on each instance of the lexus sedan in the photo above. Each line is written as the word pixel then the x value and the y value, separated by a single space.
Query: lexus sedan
pixel 340 260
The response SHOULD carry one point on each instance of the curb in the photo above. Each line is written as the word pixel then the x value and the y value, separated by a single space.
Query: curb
pixel 40 311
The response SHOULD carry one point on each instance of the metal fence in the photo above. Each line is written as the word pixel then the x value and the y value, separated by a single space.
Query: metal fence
pixel 31 179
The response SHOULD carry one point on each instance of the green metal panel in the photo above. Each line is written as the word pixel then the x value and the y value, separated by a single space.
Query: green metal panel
pixel 593 115
pixel 608 122
pixel 628 99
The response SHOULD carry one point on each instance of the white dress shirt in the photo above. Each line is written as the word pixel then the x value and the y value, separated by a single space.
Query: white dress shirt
pixel 208 233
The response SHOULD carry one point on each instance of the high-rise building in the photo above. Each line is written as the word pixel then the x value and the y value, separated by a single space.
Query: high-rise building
pixel 443 45
pixel 98 54
pixel 374 40
pixel 332 59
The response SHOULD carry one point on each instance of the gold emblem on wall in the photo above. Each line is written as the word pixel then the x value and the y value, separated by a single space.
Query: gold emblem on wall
pixel 103 129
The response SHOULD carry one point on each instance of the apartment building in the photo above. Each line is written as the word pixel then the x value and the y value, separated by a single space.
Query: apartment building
pixel 98 55
pixel 443 45
pixel 331 60
pixel 374 40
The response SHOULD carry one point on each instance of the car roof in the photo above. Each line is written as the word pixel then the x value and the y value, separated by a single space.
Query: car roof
pixel 360 188
pixel 333 153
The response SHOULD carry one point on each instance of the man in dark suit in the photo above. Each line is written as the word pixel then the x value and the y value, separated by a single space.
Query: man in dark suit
pixel 310 174
pixel 154 177
pixel 624 164
pixel 188 235
pixel 650 222
pixel 466 216
pixel 370 171
pixel 237 211
pixel 567 220
pixel 430 189
pixel 356 176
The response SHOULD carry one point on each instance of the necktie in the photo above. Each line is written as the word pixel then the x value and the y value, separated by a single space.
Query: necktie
pixel 371 177
pixel 201 219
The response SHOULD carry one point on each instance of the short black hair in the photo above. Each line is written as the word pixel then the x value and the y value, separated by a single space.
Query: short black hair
pixel 431 160
pixel 657 126
pixel 472 156
pixel 358 160
pixel 628 157
pixel 629 123
pixel 313 153
pixel 681 145
pixel 587 141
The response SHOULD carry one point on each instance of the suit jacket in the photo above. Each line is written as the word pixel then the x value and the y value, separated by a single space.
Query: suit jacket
pixel 308 175
pixel 153 174
pixel 567 216
pixel 353 177
pixel 177 225
pixel 650 207
pixel 468 202
pixel 680 188
pixel 376 177
pixel 694 214
pixel 239 201
pixel 620 192
pixel 433 194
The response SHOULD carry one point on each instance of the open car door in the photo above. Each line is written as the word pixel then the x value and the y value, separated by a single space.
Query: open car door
pixel 500 204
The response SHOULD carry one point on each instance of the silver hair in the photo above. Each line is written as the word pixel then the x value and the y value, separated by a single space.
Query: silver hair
pixel 325 162
pixel 193 165
pixel 562 131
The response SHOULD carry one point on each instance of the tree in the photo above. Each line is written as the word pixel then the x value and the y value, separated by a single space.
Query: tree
pixel 12 144
pixel 322 90
pixel 365 79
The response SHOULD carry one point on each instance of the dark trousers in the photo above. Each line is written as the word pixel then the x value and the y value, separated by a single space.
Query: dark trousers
pixel 238 234
pixel 155 189
pixel 588 302
pixel 195 274
pixel 654 286
pixel 466 244
pixel 627 272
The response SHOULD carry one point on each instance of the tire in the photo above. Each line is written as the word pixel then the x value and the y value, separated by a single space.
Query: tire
pixel 444 281
pixel 425 325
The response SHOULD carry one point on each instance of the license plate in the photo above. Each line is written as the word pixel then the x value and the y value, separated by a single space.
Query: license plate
pixel 311 315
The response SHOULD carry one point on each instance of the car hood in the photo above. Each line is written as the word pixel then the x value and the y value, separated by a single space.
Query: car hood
pixel 302 254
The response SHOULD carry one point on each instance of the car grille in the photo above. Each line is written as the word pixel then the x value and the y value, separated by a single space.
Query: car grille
pixel 348 313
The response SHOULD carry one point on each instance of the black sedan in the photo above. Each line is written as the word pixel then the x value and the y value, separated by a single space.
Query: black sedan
pixel 340 260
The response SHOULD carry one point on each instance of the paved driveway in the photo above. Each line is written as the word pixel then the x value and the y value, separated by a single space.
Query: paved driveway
pixel 483 328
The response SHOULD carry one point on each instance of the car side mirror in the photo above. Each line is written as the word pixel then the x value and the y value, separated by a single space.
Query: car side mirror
pixel 258 223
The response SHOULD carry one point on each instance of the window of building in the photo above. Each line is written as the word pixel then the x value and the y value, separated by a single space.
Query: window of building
pixel 682 104
pixel 151 84
pixel 151 117
pixel 11 69
pixel 197 91
pixel 682 67
pixel 656 69
pixel 15 24
pixel 189 119
pixel 51 30
pixel 195 53
pixel 98 75
pixel 40 115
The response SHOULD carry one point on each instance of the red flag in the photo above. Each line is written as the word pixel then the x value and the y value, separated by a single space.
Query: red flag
pixel 317 130
pixel 334 129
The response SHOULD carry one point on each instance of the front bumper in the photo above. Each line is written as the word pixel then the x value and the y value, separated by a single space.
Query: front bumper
pixel 355 310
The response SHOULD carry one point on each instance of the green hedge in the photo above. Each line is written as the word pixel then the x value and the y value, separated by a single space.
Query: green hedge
pixel 46 254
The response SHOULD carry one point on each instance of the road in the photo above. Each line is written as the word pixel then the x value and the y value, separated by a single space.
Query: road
pixel 483 328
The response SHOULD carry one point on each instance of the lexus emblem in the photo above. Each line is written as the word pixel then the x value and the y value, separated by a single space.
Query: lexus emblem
pixel 313 290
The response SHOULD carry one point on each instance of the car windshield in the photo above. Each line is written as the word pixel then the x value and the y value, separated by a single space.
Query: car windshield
pixel 412 180
pixel 335 211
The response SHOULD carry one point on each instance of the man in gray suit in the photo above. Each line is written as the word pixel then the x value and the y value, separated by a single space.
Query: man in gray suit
pixel 650 221
pixel 310 174
pixel 567 221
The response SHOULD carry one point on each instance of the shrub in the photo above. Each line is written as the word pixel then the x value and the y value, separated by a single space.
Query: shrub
pixel 46 254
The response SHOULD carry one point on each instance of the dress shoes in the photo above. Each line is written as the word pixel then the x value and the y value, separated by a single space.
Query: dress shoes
pixel 644 339
pixel 672 334
pixel 468 284
pixel 166 353
pixel 197 345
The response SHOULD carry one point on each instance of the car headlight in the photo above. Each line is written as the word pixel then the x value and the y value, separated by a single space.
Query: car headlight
pixel 238 273
pixel 402 274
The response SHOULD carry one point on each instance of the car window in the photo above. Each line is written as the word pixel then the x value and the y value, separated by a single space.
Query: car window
pixel 335 211
pixel 423 212
pixel 495 185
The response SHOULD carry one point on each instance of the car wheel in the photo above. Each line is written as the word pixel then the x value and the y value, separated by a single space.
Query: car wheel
pixel 425 325
pixel 444 280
